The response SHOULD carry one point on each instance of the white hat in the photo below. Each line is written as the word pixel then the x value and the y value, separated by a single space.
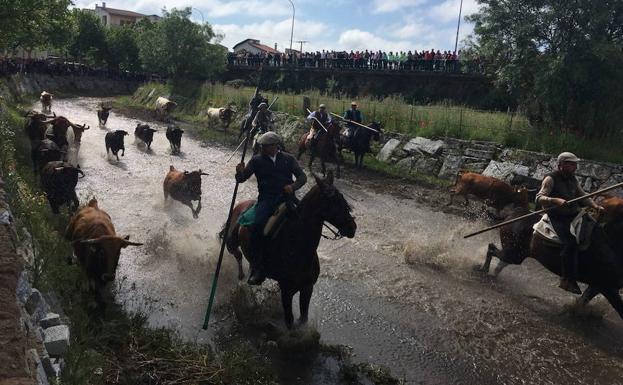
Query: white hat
pixel 567 157
pixel 322 106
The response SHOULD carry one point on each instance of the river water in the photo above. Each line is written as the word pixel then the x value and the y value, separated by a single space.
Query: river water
pixel 402 293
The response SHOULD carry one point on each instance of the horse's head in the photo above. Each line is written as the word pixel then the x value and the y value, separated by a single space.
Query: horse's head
pixel 333 130
pixel 333 206
pixel 378 135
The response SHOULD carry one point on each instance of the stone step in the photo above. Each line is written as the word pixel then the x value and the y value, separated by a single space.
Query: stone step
pixel 480 154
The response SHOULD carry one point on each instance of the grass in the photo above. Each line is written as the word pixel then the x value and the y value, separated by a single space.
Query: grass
pixel 396 115
pixel 118 348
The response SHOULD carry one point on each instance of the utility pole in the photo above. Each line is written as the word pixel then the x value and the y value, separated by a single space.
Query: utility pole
pixel 302 42
pixel 456 42
pixel 292 29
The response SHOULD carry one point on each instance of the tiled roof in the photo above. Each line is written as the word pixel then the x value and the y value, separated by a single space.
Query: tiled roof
pixel 121 12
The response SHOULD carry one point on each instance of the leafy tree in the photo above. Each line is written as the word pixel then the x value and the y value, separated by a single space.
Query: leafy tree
pixel 89 38
pixel 177 47
pixel 562 59
pixel 122 49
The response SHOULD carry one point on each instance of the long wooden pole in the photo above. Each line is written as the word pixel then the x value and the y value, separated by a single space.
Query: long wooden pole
pixel 352 121
pixel 543 210
pixel 321 125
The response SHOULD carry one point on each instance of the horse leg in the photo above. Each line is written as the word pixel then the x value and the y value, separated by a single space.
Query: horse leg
pixel 238 255
pixel 613 296
pixel 323 167
pixel 286 302
pixel 498 269
pixel 590 293
pixel 304 298
pixel 492 251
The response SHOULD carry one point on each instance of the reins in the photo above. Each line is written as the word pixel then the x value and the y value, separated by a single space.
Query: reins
pixel 336 234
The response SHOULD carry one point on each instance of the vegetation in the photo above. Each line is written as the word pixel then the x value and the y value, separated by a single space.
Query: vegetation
pixel 562 60
pixel 443 120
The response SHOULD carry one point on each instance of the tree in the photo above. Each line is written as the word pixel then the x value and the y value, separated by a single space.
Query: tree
pixel 122 49
pixel 560 58
pixel 89 38
pixel 179 48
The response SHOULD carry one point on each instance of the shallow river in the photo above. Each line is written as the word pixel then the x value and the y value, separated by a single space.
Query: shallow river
pixel 402 293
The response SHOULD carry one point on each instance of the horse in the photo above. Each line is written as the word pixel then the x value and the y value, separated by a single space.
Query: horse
pixel 292 259
pixel 359 142
pixel 326 147
pixel 600 266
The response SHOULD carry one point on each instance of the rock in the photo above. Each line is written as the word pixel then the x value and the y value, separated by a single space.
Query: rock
pixel 614 179
pixel 56 340
pixel 48 366
pixel 451 166
pixel 388 149
pixel 428 166
pixel 427 146
pixel 23 287
pixel 588 185
pixel 479 154
pixel 42 379
pixel 594 170
pixel 50 319
pixel 505 170
pixel 541 171
pixel 36 305
pixel 405 164
pixel 477 167
pixel 527 158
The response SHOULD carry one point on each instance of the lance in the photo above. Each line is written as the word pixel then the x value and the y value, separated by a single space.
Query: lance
pixel 227 226
pixel 352 121
pixel 544 210
pixel 321 125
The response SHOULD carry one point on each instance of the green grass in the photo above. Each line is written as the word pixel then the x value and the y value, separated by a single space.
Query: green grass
pixel 396 115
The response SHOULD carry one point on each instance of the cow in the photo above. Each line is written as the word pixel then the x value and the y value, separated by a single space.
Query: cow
pixel 185 187
pixel 44 151
pixel 495 192
pixel 96 246
pixel 46 101
pixel 144 133
pixel 102 114
pixel 59 180
pixel 613 208
pixel 224 114
pixel 174 135
pixel 164 107
pixel 114 142
pixel 62 136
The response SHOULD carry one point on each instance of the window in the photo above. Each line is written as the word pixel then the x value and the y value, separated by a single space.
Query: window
pixel 104 20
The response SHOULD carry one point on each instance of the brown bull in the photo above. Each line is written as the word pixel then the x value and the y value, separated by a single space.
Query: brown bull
pixel 185 187
pixel 96 246
pixel 613 208
pixel 495 192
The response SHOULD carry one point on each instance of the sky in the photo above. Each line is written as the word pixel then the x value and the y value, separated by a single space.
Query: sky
pixel 388 25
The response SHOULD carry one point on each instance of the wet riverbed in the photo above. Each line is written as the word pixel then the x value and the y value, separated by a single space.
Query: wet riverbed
pixel 402 293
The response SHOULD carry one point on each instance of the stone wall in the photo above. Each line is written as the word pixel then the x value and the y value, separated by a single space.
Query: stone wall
pixel 444 158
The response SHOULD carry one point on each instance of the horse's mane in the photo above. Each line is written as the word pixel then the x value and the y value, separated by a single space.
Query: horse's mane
pixel 315 191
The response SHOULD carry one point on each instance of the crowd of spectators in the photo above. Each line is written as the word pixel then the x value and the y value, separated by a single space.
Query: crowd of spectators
pixel 10 66
pixel 433 60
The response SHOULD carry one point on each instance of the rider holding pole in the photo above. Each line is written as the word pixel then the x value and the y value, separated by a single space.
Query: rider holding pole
pixel 273 170
pixel 352 116
pixel 318 118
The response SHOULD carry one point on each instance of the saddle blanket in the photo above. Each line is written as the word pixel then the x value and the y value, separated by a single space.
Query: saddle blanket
pixel 272 226
pixel 581 228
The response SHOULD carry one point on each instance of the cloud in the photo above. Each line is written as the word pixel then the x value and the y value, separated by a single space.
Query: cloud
pixel 449 10
pixel 355 39
pixel 385 6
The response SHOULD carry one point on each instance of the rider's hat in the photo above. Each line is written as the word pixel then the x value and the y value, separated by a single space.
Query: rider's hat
pixel 567 157
pixel 322 106
pixel 353 103
pixel 269 138
pixel 263 105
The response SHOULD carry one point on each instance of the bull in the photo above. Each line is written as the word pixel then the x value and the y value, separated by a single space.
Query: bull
pixel 613 208
pixel 185 187
pixel 36 125
pixel 495 192
pixel 224 114
pixel 114 142
pixel 144 133
pixel 59 180
pixel 174 135
pixel 96 246
pixel 46 101
pixel 44 151
pixel 67 140
pixel 164 107
pixel 102 114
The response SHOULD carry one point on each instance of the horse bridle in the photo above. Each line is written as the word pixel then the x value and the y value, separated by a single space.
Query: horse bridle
pixel 336 234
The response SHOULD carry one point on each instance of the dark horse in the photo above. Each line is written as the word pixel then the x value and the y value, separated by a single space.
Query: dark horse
pixel 600 266
pixel 326 148
pixel 292 259
pixel 359 142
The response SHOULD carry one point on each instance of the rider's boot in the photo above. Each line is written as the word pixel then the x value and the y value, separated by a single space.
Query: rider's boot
pixel 568 282
pixel 257 275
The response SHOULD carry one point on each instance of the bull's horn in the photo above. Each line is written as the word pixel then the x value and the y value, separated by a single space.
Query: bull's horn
pixel 59 168
pixel 80 172
pixel 203 173
pixel 52 120
pixel 88 241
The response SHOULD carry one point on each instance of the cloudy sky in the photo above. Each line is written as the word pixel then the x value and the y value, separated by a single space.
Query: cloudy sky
pixel 336 24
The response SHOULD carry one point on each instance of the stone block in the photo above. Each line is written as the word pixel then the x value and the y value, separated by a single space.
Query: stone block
pixel 36 305
pixel 50 319
pixel 614 179
pixel 479 154
pixel 56 340
pixel 505 170
pixel 23 287
pixel 450 167
pixel 428 166
pixel 594 170
pixel 42 378
pixel 527 158
pixel 405 164
pixel 477 167
pixel 423 145
pixel 388 149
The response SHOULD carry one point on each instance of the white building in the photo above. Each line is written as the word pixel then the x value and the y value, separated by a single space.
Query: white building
pixel 119 17
pixel 255 47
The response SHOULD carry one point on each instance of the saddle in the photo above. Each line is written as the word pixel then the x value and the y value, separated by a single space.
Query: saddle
pixel 582 228
pixel 274 224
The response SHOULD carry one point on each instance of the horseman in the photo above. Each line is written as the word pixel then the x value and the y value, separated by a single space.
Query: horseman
pixel 264 119
pixel 352 115
pixel 318 118
pixel 556 189
pixel 273 170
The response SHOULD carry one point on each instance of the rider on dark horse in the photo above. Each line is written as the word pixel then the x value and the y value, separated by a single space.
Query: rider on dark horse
pixel 273 170
pixel 264 119
pixel 318 118
pixel 354 115
pixel 556 189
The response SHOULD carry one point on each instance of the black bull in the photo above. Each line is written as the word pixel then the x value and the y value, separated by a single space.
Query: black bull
pixel 600 266
pixel 59 180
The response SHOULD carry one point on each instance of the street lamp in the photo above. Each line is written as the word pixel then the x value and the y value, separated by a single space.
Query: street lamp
pixel 292 30
pixel 456 42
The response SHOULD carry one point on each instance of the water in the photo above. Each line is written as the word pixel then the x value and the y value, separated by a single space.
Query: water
pixel 402 293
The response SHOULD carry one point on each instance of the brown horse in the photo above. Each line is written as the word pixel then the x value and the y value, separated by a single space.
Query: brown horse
pixel 326 148
pixel 600 266
pixel 291 257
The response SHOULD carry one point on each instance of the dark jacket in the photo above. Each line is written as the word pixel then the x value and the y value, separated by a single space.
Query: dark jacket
pixel 273 177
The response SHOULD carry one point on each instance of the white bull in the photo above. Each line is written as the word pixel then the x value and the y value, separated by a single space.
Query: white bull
pixel 164 107
pixel 224 114
pixel 46 101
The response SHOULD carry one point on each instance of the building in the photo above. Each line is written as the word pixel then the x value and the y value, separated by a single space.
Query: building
pixel 119 17
pixel 255 47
